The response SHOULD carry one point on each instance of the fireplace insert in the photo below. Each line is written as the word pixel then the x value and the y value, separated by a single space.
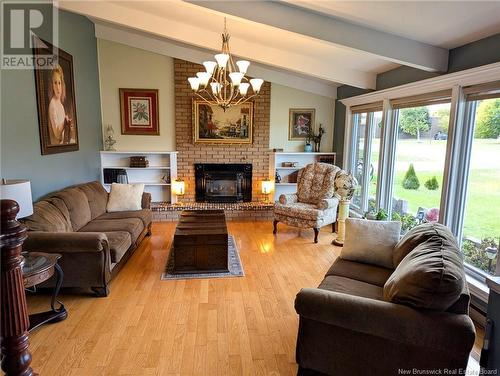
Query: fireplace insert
pixel 223 182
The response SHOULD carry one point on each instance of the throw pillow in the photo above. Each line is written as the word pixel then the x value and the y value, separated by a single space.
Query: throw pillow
pixel 429 277
pixel 370 242
pixel 418 235
pixel 125 197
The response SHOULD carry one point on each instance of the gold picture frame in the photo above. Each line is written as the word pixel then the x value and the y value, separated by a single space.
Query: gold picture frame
pixel 213 125
pixel 300 120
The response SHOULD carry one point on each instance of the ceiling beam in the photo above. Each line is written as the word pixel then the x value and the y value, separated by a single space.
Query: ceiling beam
pixel 384 45
pixel 165 47
pixel 180 30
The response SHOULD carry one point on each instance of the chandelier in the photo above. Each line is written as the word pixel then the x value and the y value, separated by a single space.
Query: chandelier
pixel 224 83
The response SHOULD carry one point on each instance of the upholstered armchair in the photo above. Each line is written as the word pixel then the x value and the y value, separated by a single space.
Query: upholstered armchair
pixel 314 204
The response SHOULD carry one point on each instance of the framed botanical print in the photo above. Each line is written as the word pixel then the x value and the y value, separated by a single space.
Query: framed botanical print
pixel 301 121
pixel 139 112
pixel 214 125
pixel 55 96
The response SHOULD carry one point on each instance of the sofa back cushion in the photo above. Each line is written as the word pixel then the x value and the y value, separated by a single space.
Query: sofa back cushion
pixel 50 215
pixel 78 206
pixel 418 235
pixel 430 277
pixel 96 196
pixel 315 182
pixel 370 242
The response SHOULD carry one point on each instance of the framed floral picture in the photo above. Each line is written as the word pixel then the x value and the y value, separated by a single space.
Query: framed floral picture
pixel 301 120
pixel 139 112
pixel 215 126
pixel 55 96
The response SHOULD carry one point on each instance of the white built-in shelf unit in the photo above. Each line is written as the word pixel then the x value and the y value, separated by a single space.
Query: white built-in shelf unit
pixel 162 164
pixel 288 175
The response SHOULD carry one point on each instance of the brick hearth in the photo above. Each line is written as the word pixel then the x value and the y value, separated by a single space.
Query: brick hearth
pixel 189 153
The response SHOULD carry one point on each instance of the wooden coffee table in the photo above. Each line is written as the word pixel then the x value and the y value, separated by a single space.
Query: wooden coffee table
pixel 200 242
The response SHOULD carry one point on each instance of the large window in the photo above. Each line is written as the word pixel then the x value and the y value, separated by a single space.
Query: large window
pixel 366 136
pixel 481 224
pixel 422 134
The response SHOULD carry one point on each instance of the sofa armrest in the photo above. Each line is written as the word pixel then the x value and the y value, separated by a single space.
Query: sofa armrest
pixel 66 242
pixel 146 200
pixel 288 199
pixel 443 331
pixel 328 203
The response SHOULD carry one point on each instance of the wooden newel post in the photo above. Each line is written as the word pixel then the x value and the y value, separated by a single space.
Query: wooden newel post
pixel 16 358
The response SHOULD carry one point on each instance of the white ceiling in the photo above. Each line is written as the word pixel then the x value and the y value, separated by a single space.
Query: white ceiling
pixel 331 42
pixel 446 24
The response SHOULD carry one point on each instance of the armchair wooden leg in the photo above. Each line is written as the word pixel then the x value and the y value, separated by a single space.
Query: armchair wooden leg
pixel 275 226
pixel 316 232
pixel 333 226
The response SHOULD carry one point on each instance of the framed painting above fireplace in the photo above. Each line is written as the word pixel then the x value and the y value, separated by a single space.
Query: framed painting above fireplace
pixel 215 126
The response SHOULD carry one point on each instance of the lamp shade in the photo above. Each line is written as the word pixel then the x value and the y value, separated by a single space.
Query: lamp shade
pixel 178 187
pixel 267 186
pixel 19 191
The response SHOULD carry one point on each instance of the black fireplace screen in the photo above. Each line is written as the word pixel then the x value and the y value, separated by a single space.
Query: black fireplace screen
pixel 223 182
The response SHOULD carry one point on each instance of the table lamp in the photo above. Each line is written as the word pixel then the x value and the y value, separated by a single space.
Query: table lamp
pixel 178 187
pixel 267 186
pixel 19 191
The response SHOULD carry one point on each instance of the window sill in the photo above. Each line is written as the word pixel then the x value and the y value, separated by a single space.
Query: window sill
pixel 478 288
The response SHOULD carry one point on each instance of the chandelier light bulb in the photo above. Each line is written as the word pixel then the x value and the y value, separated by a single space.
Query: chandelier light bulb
pixel 222 60
pixel 256 84
pixel 236 78
pixel 215 87
pixel 194 82
pixel 244 88
pixel 243 65
pixel 209 66
pixel 204 77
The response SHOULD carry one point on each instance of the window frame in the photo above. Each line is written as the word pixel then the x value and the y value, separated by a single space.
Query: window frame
pixel 459 145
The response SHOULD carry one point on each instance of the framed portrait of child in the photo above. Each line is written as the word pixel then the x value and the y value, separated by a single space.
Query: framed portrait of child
pixel 55 94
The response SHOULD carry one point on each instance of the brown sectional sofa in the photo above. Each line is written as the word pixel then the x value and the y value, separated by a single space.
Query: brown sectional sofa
pixel 347 327
pixel 94 244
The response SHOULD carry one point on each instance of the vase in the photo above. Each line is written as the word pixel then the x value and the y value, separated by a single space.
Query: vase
pixel 308 148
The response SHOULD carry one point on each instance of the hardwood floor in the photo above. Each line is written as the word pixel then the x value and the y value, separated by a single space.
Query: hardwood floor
pixel 203 327
pixel 221 326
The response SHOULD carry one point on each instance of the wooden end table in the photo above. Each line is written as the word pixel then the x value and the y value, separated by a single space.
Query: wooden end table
pixel 37 268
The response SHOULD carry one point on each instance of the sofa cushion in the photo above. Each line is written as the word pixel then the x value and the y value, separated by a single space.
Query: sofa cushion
pixel 47 216
pixel 144 215
pixel 78 206
pixel 315 182
pixel 418 235
pixel 133 226
pixel 119 243
pixel 299 210
pixel 123 197
pixel 429 277
pixel 96 196
pixel 372 274
pixel 371 242
pixel 351 287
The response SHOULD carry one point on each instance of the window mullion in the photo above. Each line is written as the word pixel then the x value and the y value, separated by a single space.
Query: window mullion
pixel 387 152
pixel 366 162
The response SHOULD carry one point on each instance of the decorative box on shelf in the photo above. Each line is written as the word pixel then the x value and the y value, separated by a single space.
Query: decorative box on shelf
pixel 154 169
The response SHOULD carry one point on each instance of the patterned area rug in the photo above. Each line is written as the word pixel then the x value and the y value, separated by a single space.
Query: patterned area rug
pixel 234 261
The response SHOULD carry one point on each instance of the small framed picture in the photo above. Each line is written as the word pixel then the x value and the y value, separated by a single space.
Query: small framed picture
pixel 301 120
pixel 139 112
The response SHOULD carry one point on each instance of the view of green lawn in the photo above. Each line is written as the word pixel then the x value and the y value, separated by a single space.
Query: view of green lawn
pixel 483 198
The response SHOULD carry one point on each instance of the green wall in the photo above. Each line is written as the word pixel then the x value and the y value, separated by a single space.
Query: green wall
pixel 481 52
pixel 20 141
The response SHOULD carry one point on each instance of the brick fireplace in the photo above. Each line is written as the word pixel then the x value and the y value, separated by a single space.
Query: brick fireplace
pixel 190 153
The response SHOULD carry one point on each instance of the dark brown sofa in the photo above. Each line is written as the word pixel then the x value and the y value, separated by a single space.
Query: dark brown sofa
pixel 347 328
pixel 94 244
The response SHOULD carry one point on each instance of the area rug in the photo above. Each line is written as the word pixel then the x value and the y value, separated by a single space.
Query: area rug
pixel 234 261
